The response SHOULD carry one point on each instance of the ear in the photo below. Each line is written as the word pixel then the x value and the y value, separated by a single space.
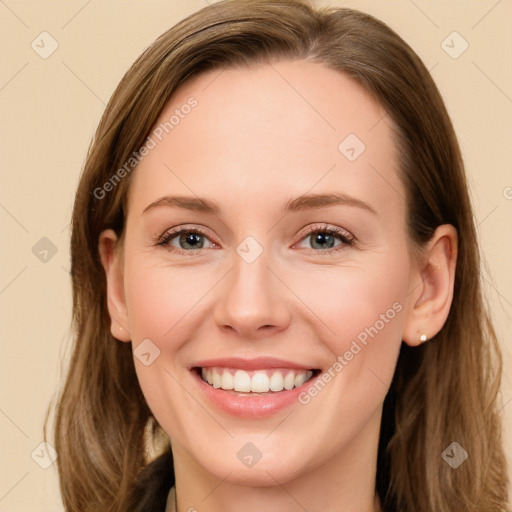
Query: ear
pixel 112 259
pixel 430 301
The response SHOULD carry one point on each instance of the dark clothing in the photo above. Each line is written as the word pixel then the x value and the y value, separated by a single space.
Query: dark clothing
pixel 154 483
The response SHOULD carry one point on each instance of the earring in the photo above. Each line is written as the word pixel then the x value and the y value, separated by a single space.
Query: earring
pixel 423 337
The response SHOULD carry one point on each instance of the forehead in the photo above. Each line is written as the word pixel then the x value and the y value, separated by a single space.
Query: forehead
pixel 286 126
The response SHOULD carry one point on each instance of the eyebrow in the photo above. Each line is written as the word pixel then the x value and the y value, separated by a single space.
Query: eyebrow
pixel 311 201
pixel 304 202
pixel 187 203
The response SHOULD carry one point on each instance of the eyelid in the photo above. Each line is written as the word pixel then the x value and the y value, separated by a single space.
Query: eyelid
pixel 313 228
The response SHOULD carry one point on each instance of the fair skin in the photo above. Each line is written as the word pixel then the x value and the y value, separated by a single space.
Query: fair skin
pixel 258 138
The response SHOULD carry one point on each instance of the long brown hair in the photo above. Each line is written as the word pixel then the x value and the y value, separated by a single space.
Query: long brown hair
pixel 444 391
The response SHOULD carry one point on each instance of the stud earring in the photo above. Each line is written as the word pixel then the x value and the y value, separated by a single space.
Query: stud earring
pixel 423 337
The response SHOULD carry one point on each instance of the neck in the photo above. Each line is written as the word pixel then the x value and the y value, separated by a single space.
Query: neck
pixel 346 481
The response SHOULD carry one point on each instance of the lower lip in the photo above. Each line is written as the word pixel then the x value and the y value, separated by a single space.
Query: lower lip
pixel 254 405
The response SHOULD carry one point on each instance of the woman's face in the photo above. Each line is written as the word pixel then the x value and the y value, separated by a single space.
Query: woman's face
pixel 301 266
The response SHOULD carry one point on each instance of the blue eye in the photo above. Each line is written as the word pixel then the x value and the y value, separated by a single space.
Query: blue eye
pixel 186 239
pixel 324 239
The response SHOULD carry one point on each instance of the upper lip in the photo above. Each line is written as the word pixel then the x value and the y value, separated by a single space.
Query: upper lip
pixel 257 363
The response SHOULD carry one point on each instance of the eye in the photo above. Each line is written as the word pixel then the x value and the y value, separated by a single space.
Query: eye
pixel 184 240
pixel 322 239
pixel 326 239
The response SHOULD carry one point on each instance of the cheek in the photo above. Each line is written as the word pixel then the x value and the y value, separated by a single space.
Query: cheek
pixel 159 298
pixel 162 302
pixel 349 301
pixel 362 310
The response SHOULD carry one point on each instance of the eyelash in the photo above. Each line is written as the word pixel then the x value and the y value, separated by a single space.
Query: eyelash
pixel 344 236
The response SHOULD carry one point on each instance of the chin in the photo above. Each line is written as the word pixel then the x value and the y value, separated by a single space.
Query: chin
pixel 281 466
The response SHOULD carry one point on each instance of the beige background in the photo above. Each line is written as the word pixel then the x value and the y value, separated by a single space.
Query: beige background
pixel 49 109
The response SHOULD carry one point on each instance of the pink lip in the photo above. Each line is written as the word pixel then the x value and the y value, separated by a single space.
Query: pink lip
pixel 249 406
pixel 258 363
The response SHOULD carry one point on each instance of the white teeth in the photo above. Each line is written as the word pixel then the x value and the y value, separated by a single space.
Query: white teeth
pixel 227 381
pixel 276 382
pixel 216 378
pixel 289 381
pixel 261 381
pixel 300 378
pixel 242 381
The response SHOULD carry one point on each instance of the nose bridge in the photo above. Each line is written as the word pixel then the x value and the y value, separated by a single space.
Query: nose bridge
pixel 251 296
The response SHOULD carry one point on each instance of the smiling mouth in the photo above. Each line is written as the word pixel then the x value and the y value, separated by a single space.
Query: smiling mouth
pixel 255 382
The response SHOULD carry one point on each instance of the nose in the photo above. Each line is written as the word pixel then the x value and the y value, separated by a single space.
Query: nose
pixel 252 301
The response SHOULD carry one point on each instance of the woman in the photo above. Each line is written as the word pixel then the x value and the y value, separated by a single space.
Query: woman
pixel 275 280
